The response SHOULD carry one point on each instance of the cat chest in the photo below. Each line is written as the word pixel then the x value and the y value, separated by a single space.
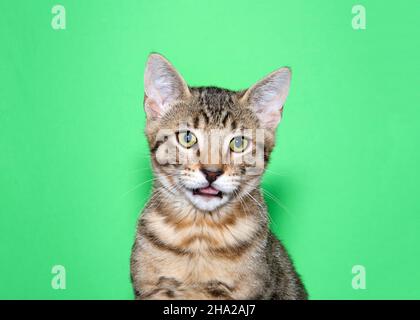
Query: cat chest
pixel 200 269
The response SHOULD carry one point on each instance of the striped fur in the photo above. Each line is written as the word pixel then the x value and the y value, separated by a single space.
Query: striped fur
pixel 183 252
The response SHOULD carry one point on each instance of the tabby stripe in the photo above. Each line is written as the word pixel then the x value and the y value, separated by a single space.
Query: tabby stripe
pixel 196 122
pixel 153 239
pixel 169 293
pixel 218 293
pixel 225 118
pixel 156 146
pixel 238 250
pixel 205 116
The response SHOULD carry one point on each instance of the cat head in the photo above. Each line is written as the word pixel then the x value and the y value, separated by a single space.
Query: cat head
pixel 210 145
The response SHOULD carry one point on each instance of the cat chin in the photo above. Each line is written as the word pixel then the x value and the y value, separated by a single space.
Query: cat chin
pixel 205 203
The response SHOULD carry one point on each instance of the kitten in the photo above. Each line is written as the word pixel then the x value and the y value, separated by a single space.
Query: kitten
pixel 204 232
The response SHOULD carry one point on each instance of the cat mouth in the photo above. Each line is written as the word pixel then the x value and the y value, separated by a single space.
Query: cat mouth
pixel 208 192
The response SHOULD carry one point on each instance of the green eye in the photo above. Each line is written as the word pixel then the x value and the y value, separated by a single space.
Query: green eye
pixel 187 139
pixel 238 144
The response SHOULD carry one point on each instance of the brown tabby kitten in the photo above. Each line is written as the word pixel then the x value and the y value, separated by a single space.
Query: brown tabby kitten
pixel 204 233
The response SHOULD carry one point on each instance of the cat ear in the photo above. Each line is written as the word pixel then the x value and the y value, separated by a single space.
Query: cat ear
pixel 268 96
pixel 163 86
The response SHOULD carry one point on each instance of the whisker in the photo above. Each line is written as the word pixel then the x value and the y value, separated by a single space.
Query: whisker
pixel 144 182
pixel 137 186
pixel 140 169
pixel 276 200
pixel 264 211
pixel 276 173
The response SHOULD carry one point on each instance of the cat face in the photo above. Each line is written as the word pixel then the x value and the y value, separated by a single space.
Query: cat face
pixel 210 145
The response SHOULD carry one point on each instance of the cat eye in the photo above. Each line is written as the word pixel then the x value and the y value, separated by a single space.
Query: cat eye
pixel 238 144
pixel 187 139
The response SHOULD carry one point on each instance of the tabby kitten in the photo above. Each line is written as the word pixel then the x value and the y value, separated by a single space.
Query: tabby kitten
pixel 204 232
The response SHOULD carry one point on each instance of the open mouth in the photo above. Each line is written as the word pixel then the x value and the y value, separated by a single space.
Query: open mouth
pixel 208 192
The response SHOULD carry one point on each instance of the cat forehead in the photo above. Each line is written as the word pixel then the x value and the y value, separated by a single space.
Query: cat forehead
pixel 212 107
pixel 214 96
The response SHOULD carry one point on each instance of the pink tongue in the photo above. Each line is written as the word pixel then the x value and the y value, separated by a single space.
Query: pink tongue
pixel 209 190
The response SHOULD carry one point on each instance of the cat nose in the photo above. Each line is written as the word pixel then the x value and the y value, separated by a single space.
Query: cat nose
pixel 211 174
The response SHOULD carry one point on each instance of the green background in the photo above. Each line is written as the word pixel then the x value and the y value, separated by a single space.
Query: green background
pixel 74 165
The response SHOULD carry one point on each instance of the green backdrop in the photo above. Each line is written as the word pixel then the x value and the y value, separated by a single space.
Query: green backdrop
pixel 74 165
